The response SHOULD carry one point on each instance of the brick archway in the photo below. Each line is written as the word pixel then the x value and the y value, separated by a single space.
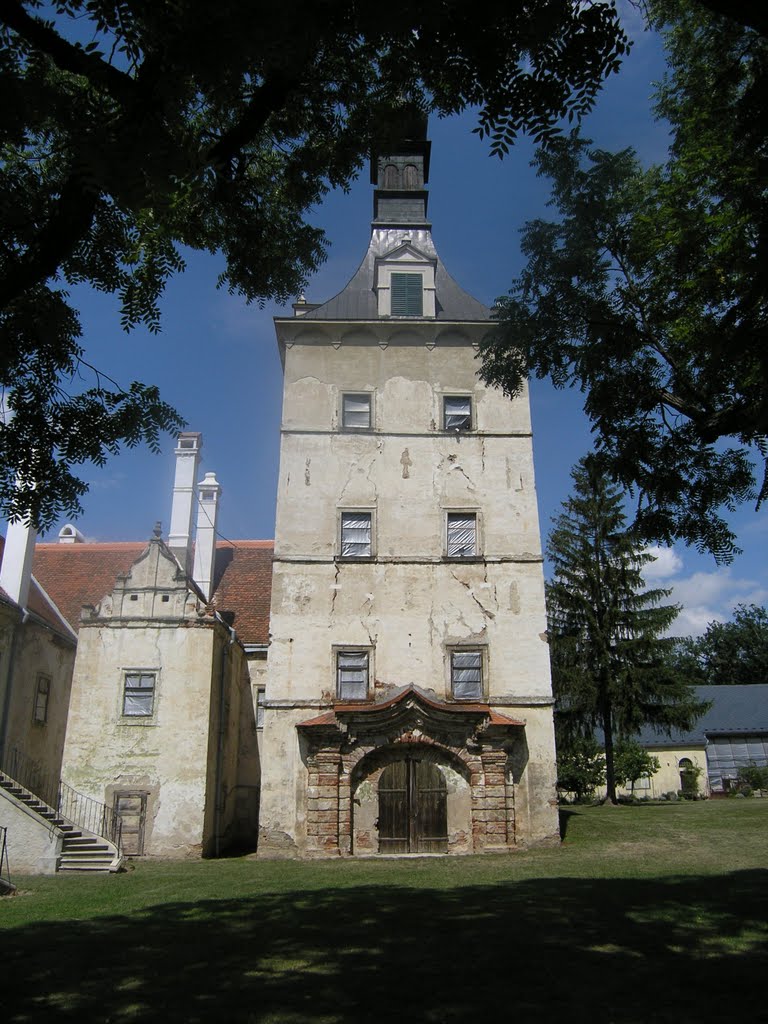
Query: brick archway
pixel 343 744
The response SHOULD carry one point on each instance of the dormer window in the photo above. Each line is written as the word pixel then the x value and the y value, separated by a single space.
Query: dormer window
pixel 407 294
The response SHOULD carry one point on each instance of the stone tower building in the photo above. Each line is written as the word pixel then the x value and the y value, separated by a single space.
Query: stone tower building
pixel 408 704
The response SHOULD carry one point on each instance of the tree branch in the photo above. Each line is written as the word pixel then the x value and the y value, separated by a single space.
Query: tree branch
pixel 70 220
pixel 64 54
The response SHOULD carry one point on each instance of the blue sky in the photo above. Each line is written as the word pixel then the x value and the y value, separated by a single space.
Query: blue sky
pixel 216 359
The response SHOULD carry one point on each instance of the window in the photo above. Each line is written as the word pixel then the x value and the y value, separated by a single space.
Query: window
pixel 356 412
pixel 42 693
pixel 139 694
pixel 461 539
pixel 356 535
pixel 407 295
pixel 467 675
pixel 260 707
pixel 457 412
pixel 352 675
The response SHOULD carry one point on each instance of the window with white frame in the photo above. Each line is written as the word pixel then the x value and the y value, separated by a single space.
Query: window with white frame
pixel 139 694
pixel 356 412
pixel 461 535
pixel 457 412
pixel 42 696
pixel 355 541
pixel 407 294
pixel 352 675
pixel 260 691
pixel 467 674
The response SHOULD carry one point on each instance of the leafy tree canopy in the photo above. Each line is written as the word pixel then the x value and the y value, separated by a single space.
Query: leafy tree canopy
pixel 650 293
pixel 610 661
pixel 633 763
pixel 580 767
pixel 129 130
pixel 728 652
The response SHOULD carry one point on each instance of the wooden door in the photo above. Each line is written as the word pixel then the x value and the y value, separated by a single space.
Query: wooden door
pixel 131 808
pixel 413 814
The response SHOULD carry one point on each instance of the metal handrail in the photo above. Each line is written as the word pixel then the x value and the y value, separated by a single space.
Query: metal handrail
pixel 73 807
pixel 4 855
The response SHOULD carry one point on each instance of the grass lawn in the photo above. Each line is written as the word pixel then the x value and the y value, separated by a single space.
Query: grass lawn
pixel 644 914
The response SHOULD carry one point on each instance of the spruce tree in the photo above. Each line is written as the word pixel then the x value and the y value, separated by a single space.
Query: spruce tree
pixel 610 661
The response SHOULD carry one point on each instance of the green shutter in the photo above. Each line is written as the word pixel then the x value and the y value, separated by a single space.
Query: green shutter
pixel 407 295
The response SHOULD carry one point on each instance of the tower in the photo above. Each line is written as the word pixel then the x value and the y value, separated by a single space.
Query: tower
pixel 408 704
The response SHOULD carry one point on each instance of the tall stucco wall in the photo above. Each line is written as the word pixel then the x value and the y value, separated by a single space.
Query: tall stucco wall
pixel 409 603
pixel 165 755
pixel 37 653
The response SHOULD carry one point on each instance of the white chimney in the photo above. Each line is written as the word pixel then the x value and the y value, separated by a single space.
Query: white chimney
pixel 208 493
pixel 188 446
pixel 16 570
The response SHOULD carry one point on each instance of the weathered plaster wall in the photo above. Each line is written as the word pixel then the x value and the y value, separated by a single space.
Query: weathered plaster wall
pixel 407 604
pixel 33 847
pixel 37 651
pixel 166 754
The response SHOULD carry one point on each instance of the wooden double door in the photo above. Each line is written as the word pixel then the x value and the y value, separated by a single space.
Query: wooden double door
pixel 413 811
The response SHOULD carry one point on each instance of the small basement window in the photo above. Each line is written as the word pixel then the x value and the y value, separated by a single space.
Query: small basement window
pixel 457 412
pixel 352 675
pixel 461 535
pixel 356 535
pixel 139 694
pixel 42 695
pixel 467 675
pixel 407 295
pixel 356 412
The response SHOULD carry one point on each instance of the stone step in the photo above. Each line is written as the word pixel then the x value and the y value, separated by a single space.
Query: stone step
pixel 105 865
pixel 70 848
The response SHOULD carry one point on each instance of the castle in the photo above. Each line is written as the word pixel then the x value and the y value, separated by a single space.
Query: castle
pixel 375 682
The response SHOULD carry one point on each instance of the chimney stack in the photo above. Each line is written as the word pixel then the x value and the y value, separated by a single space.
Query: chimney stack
pixel 16 570
pixel 208 493
pixel 188 446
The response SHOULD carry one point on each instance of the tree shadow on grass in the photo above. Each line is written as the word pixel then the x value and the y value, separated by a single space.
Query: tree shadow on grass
pixel 690 949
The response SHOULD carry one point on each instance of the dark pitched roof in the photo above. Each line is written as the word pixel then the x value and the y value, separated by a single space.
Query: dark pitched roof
pixel 78 574
pixel 358 301
pixel 737 709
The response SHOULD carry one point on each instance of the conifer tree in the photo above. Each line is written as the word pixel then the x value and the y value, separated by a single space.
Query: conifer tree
pixel 610 661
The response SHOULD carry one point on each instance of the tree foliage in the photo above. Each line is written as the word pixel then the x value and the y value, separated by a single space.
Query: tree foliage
pixel 610 664
pixel 580 767
pixel 650 293
pixel 632 763
pixel 728 652
pixel 131 130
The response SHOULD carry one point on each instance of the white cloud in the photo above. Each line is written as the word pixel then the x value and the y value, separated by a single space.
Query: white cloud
pixel 668 563
pixel 705 596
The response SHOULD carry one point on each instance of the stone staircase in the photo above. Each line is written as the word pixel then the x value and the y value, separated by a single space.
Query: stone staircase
pixel 81 850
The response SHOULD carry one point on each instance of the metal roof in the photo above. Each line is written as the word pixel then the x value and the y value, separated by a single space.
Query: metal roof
pixel 358 301
pixel 736 710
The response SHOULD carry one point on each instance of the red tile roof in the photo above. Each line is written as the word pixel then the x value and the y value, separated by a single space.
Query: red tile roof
pixel 39 603
pixel 243 585
pixel 78 574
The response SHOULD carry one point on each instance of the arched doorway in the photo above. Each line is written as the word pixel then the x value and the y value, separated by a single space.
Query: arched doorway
pixel 413 816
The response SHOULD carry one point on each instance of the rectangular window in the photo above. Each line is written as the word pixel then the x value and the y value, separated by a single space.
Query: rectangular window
pixel 356 412
pixel 457 412
pixel 139 694
pixel 461 535
pixel 42 694
pixel 352 675
pixel 407 295
pixel 260 707
pixel 356 535
pixel 467 675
